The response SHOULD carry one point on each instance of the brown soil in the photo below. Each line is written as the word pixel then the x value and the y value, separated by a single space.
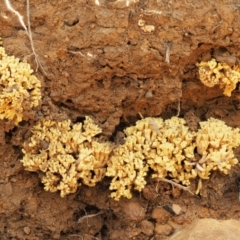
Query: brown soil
pixel 99 62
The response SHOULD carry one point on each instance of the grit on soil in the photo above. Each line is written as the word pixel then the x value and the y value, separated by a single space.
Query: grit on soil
pixel 113 61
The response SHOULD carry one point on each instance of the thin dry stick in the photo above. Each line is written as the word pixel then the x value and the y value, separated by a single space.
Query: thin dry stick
pixel 20 17
pixel 176 185
pixel 151 12
pixel 167 59
pixel 179 103
pixel 141 116
pixel 27 30
pixel 87 56
pixel 179 107
pixel 89 216
pixel 217 25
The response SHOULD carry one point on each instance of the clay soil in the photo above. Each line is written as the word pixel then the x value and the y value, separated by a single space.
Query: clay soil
pixel 97 60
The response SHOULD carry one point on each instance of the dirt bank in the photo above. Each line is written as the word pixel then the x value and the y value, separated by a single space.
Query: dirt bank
pixel 113 60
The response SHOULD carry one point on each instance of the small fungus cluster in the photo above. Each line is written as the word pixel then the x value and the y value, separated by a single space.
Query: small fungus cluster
pixel 212 73
pixel 152 143
pixel 146 28
pixel 69 154
pixel 215 142
pixel 19 89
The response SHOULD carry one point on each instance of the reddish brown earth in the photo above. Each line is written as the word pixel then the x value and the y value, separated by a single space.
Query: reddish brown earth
pixel 98 61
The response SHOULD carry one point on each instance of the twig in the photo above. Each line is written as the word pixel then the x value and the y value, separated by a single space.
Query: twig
pixel 151 12
pixel 179 103
pixel 176 185
pixel 27 30
pixel 217 25
pixel 20 17
pixel 141 116
pixel 89 216
pixel 88 55
pixel 167 59
pixel 199 186
pixel 179 107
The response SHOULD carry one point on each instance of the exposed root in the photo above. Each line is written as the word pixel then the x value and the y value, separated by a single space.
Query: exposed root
pixel 27 30
pixel 176 185
pixel 89 216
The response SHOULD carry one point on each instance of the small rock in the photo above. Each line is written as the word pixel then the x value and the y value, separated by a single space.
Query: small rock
pixel 160 215
pixel 27 230
pixel 176 192
pixel 149 94
pixel 147 227
pixel 209 229
pixel 177 209
pixel 175 226
pixel 179 219
pixel 123 234
pixel 149 193
pixel 133 211
pixel 13 179
pixel 164 230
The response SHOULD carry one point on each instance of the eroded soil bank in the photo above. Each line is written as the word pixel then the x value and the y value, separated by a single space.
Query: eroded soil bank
pixel 113 60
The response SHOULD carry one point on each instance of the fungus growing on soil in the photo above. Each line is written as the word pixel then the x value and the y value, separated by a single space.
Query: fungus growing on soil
pixel 19 89
pixel 212 73
pixel 152 143
pixel 215 142
pixel 68 154
pixel 168 148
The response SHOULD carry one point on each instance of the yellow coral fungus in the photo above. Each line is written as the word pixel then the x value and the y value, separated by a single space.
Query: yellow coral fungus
pixel 19 89
pixel 174 146
pixel 169 149
pixel 215 142
pixel 212 73
pixel 128 168
pixel 67 153
pixel 152 143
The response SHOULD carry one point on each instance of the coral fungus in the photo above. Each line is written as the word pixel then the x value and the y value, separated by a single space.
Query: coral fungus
pixel 19 89
pixel 169 149
pixel 152 143
pixel 215 142
pixel 67 153
pixel 212 73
